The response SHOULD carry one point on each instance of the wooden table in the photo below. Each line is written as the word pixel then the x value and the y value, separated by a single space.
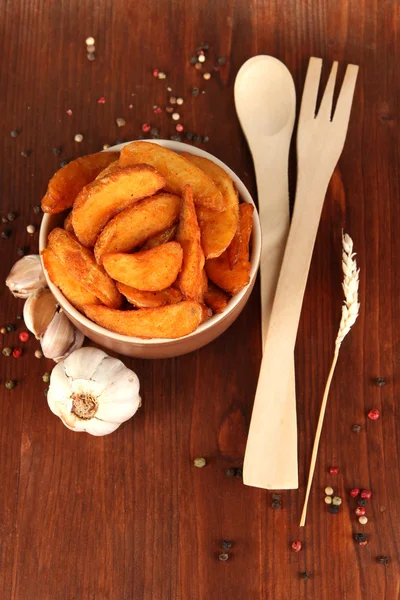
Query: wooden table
pixel 128 517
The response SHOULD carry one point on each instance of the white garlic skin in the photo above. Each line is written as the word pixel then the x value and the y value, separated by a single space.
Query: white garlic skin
pixel 39 310
pixel 60 338
pixel 26 276
pixel 95 386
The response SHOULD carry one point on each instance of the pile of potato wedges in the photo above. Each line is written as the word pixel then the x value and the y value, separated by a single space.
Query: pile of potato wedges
pixel 154 243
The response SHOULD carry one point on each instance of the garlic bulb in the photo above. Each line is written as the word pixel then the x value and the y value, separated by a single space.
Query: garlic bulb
pixel 60 337
pixel 26 276
pixel 93 392
pixel 39 310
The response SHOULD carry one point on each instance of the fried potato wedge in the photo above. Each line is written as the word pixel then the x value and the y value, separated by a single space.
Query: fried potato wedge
pixel 142 299
pixel 191 276
pixel 216 298
pixel 68 223
pixel 171 321
pixel 178 172
pixel 161 238
pixel 219 269
pixel 134 225
pixel 217 229
pixel 149 270
pixel 72 288
pixel 67 182
pixel 104 198
pixel 82 266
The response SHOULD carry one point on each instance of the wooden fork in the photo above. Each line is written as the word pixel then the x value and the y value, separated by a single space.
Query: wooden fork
pixel 320 141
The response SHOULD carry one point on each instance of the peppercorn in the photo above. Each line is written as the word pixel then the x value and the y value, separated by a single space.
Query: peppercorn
pixel 24 336
pixel 334 509
pixel 360 537
pixel 305 575
pixel 276 504
pixel 226 544
pixel 20 316
pixel 38 354
pixel 11 216
pixel 336 500
pixel 4 220
pixel 276 496
pixel 14 133
pixel 360 511
pixel 21 252
pixel 296 546
pixel 328 499
pixel 222 60
pixel 193 60
pixel 363 520
pixel 195 91
pixel 46 379
pixel 175 138
pixel 230 472
pixel 380 381
pixel 10 384
pixel 366 494
pixel 356 428
pixel 154 131
pixel 25 153
pixel 3 330
pixel 383 560
pixel 64 163
pixel 198 462
pixel 197 139
pixel 354 492
pixel 362 502
pixel 334 470
pixel 206 139
pixel 37 209
pixel 7 351
pixel 223 556
pixel 374 414
pixel 56 151
pixel 6 234
pixel 329 491
pixel 189 135
pixel 363 543
pixel 239 473
pixel 17 352
pixel 10 327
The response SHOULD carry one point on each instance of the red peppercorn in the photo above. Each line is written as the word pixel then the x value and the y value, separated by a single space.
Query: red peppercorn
pixel 101 100
pixel 24 336
pixel 334 470
pixel 354 492
pixel 156 72
pixel 374 414
pixel 179 127
pixel 296 546
pixel 146 127
pixel 360 511
pixel 364 543
pixel 17 352
pixel 157 110
pixel 366 494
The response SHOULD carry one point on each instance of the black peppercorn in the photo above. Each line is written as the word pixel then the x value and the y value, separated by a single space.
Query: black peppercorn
pixel 226 544
pixel 37 209
pixel 197 139
pixel 230 472
pixel 222 60
pixel 6 233
pixel 362 502
pixel 239 473
pixel 56 151
pixel 20 316
pixel 356 428
pixel 189 135
pixel 383 560
pixel 195 91
pixel 11 216
pixel 14 133
pixel 276 504
pixel 206 139
pixel 154 131
pixel 380 381
pixel 334 509
pixel 64 163
pixel 360 537
pixel 175 138
pixel 305 575
pixel 193 60
pixel 10 327
pixel 276 496
pixel 20 252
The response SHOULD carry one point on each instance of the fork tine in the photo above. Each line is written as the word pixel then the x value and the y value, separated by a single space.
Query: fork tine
pixel 325 109
pixel 310 91
pixel 345 100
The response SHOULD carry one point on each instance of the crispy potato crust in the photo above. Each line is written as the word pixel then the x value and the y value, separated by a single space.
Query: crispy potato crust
pixel 216 298
pixel 171 321
pixel 178 172
pixel 104 198
pixel 161 238
pixel 142 299
pixel 67 182
pixel 82 267
pixel 149 270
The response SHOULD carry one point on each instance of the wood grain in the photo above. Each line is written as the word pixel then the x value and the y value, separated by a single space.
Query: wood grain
pixel 128 517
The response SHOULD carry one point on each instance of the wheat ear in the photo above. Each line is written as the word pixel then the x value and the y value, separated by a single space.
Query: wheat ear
pixel 350 311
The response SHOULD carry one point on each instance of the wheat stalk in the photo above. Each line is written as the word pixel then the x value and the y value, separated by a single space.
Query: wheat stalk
pixel 350 310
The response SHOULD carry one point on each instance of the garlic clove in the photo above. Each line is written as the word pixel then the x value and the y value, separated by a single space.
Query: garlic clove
pixel 115 402
pixel 60 389
pixel 58 337
pixel 82 365
pixel 39 310
pixel 79 338
pixel 26 276
pixel 94 426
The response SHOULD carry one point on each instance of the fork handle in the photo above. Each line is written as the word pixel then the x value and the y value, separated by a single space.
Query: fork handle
pixel 272 415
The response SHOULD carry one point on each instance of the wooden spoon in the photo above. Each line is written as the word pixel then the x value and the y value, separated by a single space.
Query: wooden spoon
pixel 265 99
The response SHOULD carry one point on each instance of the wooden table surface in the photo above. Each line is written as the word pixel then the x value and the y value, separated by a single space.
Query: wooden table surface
pixel 128 517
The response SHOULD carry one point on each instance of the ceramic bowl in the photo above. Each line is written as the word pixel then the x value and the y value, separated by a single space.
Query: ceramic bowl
pixel 163 348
